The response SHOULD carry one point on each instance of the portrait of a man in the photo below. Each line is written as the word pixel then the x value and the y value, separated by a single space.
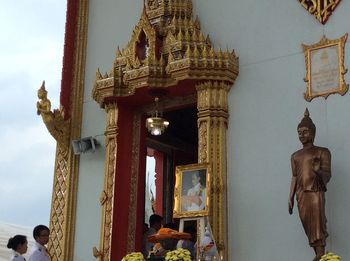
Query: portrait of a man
pixel 192 190
pixel 193 197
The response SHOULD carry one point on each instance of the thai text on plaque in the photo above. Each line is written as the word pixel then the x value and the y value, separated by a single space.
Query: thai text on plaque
pixel 325 68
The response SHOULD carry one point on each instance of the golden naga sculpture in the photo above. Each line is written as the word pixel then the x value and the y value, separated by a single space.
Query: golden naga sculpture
pixel 166 47
pixel 54 121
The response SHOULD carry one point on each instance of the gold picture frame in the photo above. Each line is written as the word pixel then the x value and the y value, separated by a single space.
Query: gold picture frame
pixel 325 68
pixel 192 191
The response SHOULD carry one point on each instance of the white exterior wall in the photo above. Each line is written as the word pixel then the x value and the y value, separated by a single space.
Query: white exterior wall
pixel 266 104
pixel 111 23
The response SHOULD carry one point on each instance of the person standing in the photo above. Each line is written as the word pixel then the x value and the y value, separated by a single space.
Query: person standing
pixel 39 252
pixel 311 171
pixel 19 245
pixel 155 223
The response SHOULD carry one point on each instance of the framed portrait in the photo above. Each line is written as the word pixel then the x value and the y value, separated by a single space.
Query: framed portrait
pixel 325 68
pixel 192 188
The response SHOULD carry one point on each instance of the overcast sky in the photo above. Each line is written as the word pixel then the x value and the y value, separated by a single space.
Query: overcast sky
pixel 31 50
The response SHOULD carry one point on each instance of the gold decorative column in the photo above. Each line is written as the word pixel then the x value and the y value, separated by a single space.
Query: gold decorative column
pixel 66 171
pixel 107 196
pixel 212 125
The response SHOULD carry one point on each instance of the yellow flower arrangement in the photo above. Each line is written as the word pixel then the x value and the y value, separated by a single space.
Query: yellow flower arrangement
pixel 330 257
pixel 179 254
pixel 134 256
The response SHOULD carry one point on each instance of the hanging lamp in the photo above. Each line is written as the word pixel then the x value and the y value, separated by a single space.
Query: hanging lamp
pixel 155 124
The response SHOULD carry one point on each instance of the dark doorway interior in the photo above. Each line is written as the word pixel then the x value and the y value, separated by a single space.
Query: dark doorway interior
pixel 178 145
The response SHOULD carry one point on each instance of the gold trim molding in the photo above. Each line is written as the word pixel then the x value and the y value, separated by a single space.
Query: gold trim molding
pixel 325 68
pixel 107 196
pixel 134 181
pixel 63 202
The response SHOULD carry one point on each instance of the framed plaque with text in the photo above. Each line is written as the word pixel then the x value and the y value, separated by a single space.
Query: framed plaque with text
pixel 325 68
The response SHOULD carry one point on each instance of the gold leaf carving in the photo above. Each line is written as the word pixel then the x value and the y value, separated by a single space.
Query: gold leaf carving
pixel 321 10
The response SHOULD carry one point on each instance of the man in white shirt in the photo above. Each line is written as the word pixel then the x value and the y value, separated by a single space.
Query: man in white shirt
pixel 39 252
pixel 195 198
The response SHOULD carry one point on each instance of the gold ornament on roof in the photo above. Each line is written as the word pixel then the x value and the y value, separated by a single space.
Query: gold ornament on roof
pixel 166 46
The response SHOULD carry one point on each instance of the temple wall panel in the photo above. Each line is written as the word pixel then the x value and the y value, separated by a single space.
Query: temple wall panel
pixel 265 105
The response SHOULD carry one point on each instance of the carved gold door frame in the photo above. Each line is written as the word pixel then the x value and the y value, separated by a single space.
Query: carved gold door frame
pixel 212 105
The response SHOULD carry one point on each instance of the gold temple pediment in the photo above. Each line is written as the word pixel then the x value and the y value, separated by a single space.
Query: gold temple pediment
pixel 166 47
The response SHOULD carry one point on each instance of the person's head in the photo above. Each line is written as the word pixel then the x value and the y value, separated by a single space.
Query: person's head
pixel 195 178
pixel 155 221
pixel 306 129
pixel 18 243
pixel 41 234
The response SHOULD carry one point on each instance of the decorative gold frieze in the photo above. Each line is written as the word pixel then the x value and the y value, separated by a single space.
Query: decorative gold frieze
pixel 325 68
pixel 322 10
pixel 58 217
pixel 157 11
pixel 202 141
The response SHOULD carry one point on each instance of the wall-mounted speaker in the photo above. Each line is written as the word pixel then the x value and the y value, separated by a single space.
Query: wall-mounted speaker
pixel 84 145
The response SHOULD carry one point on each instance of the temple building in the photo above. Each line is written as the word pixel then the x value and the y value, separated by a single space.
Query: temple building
pixel 186 82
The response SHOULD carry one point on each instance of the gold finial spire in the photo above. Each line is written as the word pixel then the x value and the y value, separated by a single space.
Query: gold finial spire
pixel 42 90
pixel 43 86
